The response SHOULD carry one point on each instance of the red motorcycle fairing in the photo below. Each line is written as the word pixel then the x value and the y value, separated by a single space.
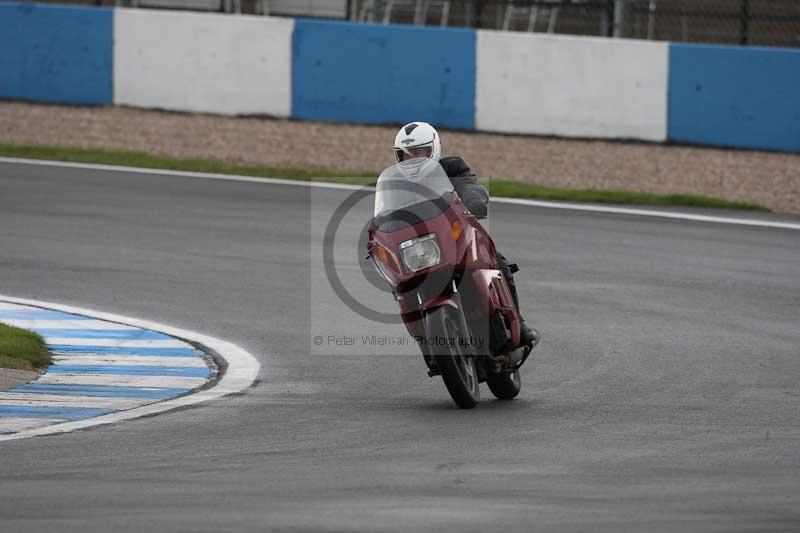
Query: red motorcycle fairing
pixel 457 303
pixel 474 248
pixel 495 294
pixel 469 257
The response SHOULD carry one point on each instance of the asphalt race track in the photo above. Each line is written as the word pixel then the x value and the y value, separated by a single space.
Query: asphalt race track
pixel 664 396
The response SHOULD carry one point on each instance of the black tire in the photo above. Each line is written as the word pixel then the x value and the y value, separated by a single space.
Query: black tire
pixel 505 386
pixel 458 368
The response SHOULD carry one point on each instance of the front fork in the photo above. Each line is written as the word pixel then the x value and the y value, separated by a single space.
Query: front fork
pixel 453 300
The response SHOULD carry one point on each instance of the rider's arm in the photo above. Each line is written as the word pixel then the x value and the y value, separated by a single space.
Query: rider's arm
pixel 472 193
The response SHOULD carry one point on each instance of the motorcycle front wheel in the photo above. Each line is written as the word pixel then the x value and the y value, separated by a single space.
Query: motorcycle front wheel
pixel 457 367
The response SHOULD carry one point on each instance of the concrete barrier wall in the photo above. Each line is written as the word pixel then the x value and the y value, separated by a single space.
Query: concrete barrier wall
pixel 56 53
pixel 380 74
pixel 203 62
pixel 734 96
pixel 571 86
pixel 363 73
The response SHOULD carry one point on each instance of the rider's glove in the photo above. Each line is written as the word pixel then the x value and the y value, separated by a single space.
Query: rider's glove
pixel 478 208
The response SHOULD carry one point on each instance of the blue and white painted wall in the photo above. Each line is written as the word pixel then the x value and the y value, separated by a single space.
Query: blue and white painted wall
pixel 735 96
pixel 460 78
pixel 56 53
pixel 202 63
pixel 571 86
pixel 378 74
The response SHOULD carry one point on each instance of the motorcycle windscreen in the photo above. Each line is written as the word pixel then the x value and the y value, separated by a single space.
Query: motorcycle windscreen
pixel 410 192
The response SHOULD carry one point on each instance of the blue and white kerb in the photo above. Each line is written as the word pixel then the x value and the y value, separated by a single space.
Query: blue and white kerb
pixel 99 367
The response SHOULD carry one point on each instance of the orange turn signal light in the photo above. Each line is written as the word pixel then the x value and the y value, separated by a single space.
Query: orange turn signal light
pixel 456 230
pixel 383 255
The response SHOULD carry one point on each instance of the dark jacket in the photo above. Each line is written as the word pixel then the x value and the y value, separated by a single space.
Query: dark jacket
pixel 472 193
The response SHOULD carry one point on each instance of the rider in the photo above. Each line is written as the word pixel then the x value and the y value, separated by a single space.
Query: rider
pixel 420 139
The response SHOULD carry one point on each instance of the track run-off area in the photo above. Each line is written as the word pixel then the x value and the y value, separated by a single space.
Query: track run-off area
pixel 664 396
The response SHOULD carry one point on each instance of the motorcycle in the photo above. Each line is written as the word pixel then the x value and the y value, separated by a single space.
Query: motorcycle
pixel 443 270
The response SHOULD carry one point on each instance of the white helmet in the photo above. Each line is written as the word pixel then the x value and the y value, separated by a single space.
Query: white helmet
pixel 417 135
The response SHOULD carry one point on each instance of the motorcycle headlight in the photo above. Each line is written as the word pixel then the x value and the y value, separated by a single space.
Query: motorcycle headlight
pixel 422 252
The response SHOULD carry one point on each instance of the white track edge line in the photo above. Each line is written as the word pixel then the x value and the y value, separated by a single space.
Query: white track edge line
pixel 181 173
pixel 675 215
pixel 241 372
pixel 649 213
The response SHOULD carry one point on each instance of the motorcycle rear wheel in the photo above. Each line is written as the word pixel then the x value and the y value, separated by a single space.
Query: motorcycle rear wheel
pixel 504 386
pixel 457 368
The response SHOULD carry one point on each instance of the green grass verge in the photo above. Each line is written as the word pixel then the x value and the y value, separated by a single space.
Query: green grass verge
pixel 133 158
pixel 497 187
pixel 21 349
pixel 516 189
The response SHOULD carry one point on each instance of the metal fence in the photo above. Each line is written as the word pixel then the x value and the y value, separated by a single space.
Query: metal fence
pixel 763 22
pixel 747 22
